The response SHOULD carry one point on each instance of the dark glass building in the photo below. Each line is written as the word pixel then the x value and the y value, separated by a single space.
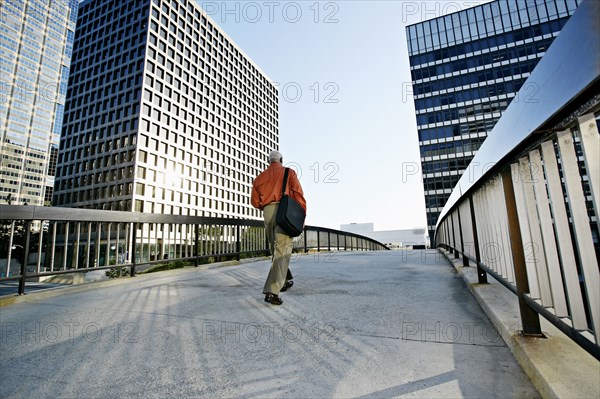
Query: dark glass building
pixel 165 113
pixel 466 68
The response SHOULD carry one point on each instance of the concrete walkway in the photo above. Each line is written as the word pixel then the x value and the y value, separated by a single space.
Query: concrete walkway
pixel 367 325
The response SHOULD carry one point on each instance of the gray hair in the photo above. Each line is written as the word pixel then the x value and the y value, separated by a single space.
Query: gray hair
pixel 275 156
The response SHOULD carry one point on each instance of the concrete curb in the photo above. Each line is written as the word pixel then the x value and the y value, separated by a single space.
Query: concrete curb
pixel 557 367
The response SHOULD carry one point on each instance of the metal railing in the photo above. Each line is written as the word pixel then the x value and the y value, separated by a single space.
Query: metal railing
pixel 39 242
pixel 531 219
pixel 324 239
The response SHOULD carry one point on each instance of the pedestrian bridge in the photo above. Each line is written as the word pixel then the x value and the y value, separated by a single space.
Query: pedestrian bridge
pixel 514 311
pixel 355 324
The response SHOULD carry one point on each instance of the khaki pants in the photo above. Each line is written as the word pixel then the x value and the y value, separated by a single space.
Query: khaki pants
pixel 281 251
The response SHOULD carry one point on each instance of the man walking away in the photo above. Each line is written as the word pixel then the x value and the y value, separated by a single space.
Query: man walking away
pixel 266 193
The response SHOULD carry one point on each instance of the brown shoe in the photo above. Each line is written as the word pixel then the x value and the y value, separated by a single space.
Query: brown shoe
pixel 273 299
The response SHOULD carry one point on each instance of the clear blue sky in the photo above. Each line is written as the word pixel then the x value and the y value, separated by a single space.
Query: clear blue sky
pixel 346 114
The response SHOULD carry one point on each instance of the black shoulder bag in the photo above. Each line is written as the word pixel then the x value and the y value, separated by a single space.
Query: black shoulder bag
pixel 290 215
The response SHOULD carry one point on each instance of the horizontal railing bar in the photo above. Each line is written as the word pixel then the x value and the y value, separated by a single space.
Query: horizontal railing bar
pixel 43 213
pixel 71 271
pixel 576 336
pixel 488 270
pixel 343 233
pixel 2 279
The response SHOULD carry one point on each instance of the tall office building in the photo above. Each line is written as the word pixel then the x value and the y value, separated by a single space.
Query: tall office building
pixel 466 68
pixel 165 114
pixel 36 41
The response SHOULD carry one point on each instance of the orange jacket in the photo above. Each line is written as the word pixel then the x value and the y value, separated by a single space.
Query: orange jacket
pixel 267 187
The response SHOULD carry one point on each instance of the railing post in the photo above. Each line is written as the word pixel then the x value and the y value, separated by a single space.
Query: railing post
pixel 133 244
pixel 447 233
pixel 267 244
pixel 197 245
pixel 25 258
pixel 305 241
pixel 481 274
pixel 318 241
pixel 529 318
pixel 453 236
pixel 462 242
pixel 239 242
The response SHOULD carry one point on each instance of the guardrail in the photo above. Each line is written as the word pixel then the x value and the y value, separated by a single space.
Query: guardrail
pixel 38 242
pixel 529 217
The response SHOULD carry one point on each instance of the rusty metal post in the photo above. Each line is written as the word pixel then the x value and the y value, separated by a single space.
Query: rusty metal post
pixel 462 242
pixel 453 237
pixel 529 318
pixel 481 274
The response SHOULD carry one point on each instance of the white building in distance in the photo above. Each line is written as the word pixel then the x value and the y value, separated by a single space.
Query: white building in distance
pixel 395 239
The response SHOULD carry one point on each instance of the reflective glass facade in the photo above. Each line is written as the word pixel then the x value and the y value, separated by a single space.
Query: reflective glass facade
pixel 36 41
pixel 165 114
pixel 466 68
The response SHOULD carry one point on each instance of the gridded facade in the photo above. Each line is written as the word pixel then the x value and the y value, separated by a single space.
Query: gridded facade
pixel 466 68
pixel 36 39
pixel 165 114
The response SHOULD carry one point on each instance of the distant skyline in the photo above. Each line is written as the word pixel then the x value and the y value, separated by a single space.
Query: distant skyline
pixel 347 119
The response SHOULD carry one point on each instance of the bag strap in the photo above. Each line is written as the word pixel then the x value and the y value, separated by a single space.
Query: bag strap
pixel 285 178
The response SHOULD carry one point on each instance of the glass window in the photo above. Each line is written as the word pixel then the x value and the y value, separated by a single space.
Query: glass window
pixel 481 28
pixel 435 35
pixel 523 14
pixel 427 31
pixel 412 38
pixel 420 35
pixel 542 11
pixel 472 23
pixel 449 29
pixel 494 21
pixel 571 5
pixel 505 14
pixel 532 12
pixel 552 12
pixel 514 14
pixel 562 8
pixel 457 29
pixel 464 23
pixel 442 32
